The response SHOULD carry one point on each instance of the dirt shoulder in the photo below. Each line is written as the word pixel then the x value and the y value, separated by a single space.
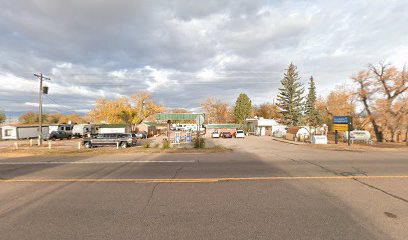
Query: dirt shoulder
pixel 384 147
pixel 43 151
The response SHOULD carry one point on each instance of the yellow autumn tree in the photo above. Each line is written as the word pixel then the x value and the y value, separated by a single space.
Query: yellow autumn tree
pixel 125 110
pixel 339 102
pixel 216 111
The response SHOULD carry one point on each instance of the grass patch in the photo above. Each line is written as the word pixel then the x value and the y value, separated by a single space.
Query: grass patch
pixel 199 143
pixel 166 144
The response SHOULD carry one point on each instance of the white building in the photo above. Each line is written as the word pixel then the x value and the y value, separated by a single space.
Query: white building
pixel 263 126
pixel 14 132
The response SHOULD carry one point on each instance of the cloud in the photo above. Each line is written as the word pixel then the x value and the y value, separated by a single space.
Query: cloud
pixel 184 51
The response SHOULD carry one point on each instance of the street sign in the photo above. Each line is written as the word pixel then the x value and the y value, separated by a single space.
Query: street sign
pixel 343 124
pixel 340 127
pixel 178 137
pixel 188 137
pixel 341 119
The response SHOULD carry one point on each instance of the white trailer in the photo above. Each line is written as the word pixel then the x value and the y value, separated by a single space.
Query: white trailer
pixel 80 130
pixel 61 127
pixel 114 128
pixel 22 132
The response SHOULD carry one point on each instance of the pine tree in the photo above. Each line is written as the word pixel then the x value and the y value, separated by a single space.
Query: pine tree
pixel 242 108
pixel 313 117
pixel 290 96
pixel 2 117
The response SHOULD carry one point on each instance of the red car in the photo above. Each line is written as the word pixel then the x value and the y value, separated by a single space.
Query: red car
pixel 226 135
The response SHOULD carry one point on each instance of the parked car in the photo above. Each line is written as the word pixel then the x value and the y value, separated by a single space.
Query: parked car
pixel 215 135
pixel 54 135
pixel 240 134
pixel 141 135
pixel 106 139
pixel 226 135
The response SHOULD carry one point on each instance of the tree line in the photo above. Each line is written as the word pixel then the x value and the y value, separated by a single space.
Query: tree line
pixel 377 100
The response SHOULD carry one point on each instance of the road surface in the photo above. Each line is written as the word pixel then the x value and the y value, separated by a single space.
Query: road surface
pixel 263 189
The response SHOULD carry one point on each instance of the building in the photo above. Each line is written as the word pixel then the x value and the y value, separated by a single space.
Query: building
pixel 210 128
pixel 148 127
pixel 14 132
pixel 263 126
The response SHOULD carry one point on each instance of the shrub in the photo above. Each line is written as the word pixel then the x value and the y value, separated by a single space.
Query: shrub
pixel 147 145
pixel 166 144
pixel 199 143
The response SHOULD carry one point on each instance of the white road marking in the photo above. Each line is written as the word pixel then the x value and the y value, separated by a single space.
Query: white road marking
pixel 97 162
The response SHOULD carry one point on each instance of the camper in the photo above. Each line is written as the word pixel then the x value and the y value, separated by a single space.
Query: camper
pixel 61 127
pixel 80 130
pixel 15 132
pixel 114 128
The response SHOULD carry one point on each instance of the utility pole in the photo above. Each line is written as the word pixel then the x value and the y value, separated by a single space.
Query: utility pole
pixel 40 92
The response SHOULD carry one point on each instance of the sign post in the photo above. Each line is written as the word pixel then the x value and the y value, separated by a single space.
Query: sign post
pixel 344 124
pixel 199 120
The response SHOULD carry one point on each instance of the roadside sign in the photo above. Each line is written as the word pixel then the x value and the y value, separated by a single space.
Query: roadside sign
pixel 341 123
pixel 178 137
pixel 340 127
pixel 341 119
pixel 188 137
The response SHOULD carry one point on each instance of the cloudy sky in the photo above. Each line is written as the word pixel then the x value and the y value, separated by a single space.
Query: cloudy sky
pixel 185 51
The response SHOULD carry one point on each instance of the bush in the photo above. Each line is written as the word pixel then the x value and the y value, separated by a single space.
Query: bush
pixel 199 143
pixel 147 145
pixel 166 144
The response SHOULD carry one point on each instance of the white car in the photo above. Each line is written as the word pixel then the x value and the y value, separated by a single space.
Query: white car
pixel 240 134
pixel 215 135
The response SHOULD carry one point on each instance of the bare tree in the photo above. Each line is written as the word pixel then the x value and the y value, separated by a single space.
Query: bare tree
pixel 380 89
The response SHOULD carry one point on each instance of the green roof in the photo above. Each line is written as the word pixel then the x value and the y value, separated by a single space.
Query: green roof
pixel 177 116
pixel 113 126
pixel 150 124
pixel 222 126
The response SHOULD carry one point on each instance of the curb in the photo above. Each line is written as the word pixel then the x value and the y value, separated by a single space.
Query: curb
pixel 287 141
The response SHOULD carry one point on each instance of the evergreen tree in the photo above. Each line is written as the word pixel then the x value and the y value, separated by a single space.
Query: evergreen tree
pixel 290 96
pixel 313 117
pixel 242 108
pixel 2 117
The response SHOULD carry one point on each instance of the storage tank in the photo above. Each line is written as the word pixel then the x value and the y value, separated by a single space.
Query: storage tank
pixel 358 135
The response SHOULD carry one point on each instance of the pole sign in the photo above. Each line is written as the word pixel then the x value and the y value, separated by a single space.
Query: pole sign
pixel 342 123
pixel 188 137
pixel 178 137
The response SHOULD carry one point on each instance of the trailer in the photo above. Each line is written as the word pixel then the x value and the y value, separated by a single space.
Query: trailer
pixel 22 132
pixel 61 127
pixel 80 130
pixel 114 128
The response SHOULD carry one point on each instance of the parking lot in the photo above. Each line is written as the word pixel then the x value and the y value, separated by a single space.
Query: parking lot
pixel 262 189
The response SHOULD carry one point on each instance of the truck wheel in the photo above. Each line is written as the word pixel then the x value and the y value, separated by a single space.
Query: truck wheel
pixel 88 145
pixel 124 145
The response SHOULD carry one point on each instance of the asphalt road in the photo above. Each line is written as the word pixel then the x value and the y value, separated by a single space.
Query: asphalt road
pixel 262 190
